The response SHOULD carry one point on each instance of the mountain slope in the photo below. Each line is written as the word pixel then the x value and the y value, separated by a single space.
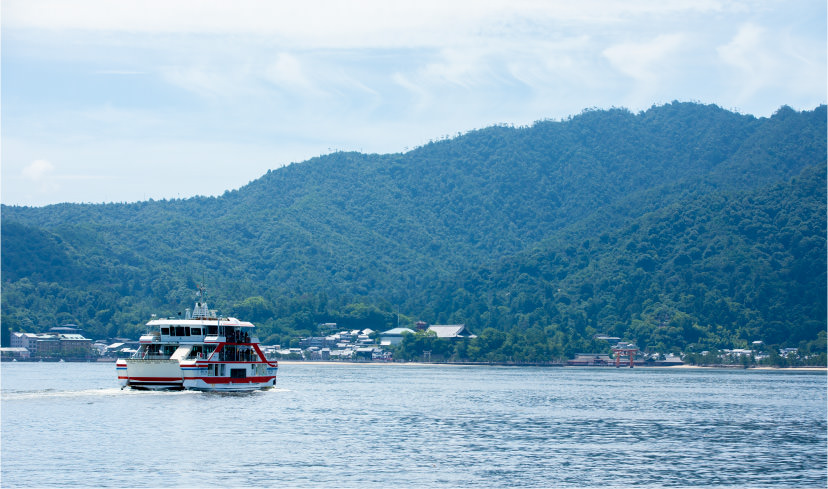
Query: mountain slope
pixel 718 271
pixel 348 228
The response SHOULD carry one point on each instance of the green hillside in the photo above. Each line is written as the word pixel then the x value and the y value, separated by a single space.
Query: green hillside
pixel 669 227
pixel 720 271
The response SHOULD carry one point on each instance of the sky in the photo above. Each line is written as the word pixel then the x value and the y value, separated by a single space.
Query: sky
pixel 130 100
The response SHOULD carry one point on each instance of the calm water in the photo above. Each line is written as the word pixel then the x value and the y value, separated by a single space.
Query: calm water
pixel 369 426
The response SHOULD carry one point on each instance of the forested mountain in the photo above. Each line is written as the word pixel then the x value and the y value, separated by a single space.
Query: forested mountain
pixel 685 226
pixel 719 271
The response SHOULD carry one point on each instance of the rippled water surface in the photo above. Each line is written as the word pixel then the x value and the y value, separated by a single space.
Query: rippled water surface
pixel 372 426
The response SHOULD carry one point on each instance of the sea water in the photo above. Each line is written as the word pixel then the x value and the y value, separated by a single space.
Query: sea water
pixel 380 426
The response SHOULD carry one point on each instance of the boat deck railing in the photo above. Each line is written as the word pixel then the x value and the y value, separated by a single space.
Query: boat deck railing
pixel 150 357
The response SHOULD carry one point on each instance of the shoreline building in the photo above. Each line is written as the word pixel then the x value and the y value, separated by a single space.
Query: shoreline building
pixel 53 345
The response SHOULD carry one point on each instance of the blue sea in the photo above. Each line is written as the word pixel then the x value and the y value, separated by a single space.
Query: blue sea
pixel 389 426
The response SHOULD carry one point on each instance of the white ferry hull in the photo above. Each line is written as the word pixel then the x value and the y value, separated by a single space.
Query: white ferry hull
pixel 249 376
pixel 150 374
pixel 241 385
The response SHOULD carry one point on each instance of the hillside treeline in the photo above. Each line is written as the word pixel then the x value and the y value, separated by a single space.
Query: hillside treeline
pixel 682 228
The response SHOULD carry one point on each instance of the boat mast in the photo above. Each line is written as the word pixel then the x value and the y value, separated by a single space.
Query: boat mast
pixel 201 311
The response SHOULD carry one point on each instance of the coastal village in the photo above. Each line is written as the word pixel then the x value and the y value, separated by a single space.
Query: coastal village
pixel 68 343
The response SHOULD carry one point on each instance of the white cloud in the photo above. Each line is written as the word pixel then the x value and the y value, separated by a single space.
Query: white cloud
pixel 545 60
pixel 40 174
pixel 759 60
pixel 331 23
pixel 311 23
pixel 465 67
pixel 120 72
pixel 420 95
pixel 752 57
pixel 38 170
pixel 258 77
pixel 287 72
pixel 654 66
pixel 645 61
pixel 206 81
pixel 745 51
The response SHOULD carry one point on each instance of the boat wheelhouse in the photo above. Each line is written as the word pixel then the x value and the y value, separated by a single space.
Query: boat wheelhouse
pixel 202 351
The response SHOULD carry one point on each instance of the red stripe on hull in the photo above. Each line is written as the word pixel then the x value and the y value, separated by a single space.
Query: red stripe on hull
pixel 230 380
pixel 212 362
pixel 153 379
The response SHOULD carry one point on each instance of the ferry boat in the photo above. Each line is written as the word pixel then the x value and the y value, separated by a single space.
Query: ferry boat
pixel 202 351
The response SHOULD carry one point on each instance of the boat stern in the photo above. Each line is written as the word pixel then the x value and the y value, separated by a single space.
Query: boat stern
pixel 150 374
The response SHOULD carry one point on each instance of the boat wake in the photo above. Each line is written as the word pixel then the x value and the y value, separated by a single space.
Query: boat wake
pixel 21 395
pixel 243 393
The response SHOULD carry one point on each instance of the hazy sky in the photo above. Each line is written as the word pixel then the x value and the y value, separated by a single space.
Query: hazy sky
pixel 111 101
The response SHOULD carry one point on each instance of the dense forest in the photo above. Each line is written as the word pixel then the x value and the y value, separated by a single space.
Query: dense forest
pixel 683 228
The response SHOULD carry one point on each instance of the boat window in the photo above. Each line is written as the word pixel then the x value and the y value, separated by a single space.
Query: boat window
pixel 212 330
pixel 165 331
pixel 186 331
pixel 228 353
pixel 196 352
pixel 195 331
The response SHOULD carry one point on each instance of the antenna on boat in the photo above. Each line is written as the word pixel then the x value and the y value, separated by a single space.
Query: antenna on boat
pixel 200 311
pixel 201 294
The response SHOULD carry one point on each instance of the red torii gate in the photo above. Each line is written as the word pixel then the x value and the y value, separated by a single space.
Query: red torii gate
pixel 630 351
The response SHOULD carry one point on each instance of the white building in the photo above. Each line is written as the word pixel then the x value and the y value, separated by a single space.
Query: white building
pixel 14 353
pixel 25 340
pixel 394 336
pixel 449 331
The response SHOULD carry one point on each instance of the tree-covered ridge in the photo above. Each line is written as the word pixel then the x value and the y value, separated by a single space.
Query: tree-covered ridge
pixel 720 271
pixel 353 238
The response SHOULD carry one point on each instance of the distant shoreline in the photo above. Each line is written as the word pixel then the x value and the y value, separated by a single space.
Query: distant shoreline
pixel 461 364
pixel 739 367
pixel 471 364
